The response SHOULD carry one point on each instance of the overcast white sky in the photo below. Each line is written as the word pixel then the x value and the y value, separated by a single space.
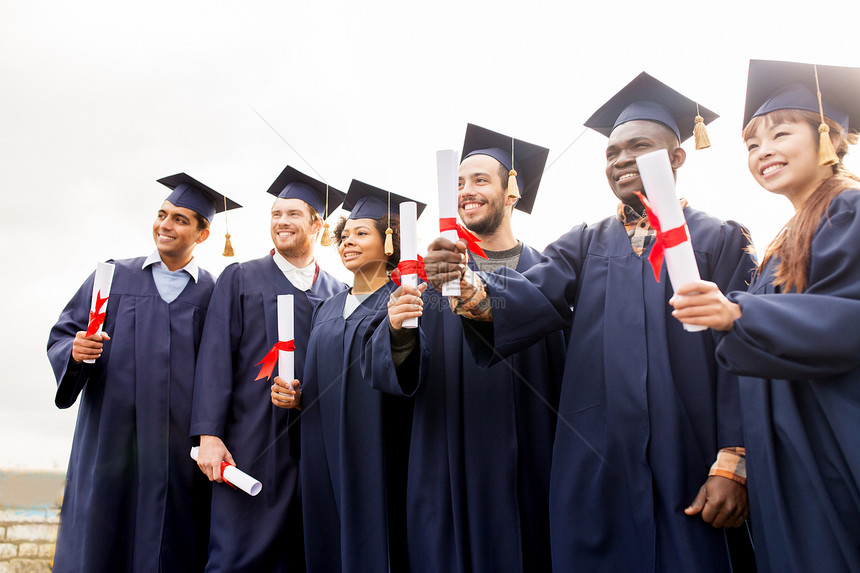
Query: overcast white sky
pixel 99 99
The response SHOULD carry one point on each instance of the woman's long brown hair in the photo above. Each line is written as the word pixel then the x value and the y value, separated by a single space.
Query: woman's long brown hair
pixel 791 245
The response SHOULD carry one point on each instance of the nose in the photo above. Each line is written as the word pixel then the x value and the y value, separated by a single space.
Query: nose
pixel 764 150
pixel 624 158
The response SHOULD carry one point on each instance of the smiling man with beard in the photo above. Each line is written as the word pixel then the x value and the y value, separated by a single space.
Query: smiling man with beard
pixel 647 463
pixel 478 478
pixel 232 412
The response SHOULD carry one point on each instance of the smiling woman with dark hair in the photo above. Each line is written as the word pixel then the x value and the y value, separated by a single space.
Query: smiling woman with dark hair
pixel 355 429
pixel 793 337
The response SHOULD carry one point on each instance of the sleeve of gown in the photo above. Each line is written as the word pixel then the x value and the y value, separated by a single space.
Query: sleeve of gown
pixel 732 267
pixel 813 334
pixel 527 307
pixel 213 377
pixel 379 365
pixel 71 376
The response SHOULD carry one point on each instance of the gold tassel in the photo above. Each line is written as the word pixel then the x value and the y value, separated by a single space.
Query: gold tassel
pixel 389 242
pixel 513 188
pixel 325 240
pixel 700 132
pixel 826 153
pixel 228 247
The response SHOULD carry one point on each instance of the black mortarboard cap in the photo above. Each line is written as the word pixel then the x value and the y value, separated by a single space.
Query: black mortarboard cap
pixel 528 159
pixel 365 201
pixel 773 85
pixel 647 98
pixel 191 194
pixel 293 184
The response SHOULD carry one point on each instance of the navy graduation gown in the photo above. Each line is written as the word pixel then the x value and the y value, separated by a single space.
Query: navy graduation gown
pixel 262 533
pixel 481 450
pixel 644 407
pixel 132 500
pixel 355 432
pixel 799 357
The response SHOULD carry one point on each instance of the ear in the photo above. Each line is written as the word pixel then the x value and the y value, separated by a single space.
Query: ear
pixel 677 157
pixel 317 226
pixel 204 234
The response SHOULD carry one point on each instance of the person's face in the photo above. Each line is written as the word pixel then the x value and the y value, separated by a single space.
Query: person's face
pixel 627 142
pixel 362 248
pixel 481 202
pixel 175 231
pixel 783 158
pixel 293 227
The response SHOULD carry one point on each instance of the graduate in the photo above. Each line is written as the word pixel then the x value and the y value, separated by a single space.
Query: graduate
pixel 793 337
pixel 355 428
pixel 232 413
pixel 647 463
pixel 482 438
pixel 132 501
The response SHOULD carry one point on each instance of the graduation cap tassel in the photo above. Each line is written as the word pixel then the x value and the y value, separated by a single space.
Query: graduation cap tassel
pixel 826 153
pixel 389 240
pixel 700 132
pixel 513 188
pixel 228 246
pixel 325 240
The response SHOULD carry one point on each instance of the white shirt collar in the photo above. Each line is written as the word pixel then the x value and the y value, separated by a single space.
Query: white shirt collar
pixel 191 268
pixel 302 279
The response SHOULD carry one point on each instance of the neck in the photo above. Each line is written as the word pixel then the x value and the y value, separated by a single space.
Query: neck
pixel 299 261
pixel 501 239
pixel 174 263
pixel 368 282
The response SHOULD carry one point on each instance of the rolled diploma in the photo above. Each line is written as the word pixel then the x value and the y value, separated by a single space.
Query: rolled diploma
pixel 286 358
pixel 235 476
pixel 101 284
pixel 446 177
pixel 409 248
pixel 656 173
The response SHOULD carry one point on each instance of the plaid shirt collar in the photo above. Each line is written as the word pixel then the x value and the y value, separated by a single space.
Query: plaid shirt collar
pixel 637 226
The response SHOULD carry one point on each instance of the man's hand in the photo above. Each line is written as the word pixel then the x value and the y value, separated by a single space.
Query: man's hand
pixel 722 502
pixel 285 394
pixel 404 303
pixel 445 261
pixel 88 347
pixel 212 452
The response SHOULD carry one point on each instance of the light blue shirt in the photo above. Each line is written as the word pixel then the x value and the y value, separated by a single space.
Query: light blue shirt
pixel 170 283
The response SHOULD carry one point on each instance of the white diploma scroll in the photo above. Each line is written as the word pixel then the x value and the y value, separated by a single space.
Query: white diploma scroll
pixel 234 476
pixel 409 248
pixel 656 173
pixel 447 168
pixel 101 292
pixel 286 358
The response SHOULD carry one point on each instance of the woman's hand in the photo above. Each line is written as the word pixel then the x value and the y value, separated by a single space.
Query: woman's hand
pixel 701 303
pixel 405 302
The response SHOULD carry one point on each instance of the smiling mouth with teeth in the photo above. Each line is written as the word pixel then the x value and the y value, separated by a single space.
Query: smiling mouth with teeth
pixel 771 168
pixel 470 205
pixel 627 176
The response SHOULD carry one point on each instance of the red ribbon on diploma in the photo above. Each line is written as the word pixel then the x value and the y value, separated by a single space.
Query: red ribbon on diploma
pixel 664 239
pixel 409 267
pixel 451 224
pixel 226 464
pixel 96 318
pixel 271 358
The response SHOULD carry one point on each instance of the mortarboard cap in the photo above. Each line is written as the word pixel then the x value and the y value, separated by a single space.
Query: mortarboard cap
pixel 293 184
pixel 646 98
pixel 773 85
pixel 191 194
pixel 528 159
pixel 365 201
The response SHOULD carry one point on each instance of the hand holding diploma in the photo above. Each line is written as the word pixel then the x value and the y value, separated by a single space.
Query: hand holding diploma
pixel 405 304
pixel 88 348
pixel 88 345
pixel 208 451
pixel 287 395
pixel 702 303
